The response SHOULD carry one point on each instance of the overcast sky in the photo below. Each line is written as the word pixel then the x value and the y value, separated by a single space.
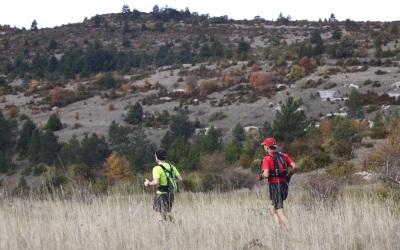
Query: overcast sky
pixel 51 13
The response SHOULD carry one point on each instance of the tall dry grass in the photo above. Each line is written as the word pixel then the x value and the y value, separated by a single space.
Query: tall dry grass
pixel 234 220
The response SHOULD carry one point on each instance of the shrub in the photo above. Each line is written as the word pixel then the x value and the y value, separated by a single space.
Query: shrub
pixel 188 185
pixel 306 164
pixel 341 168
pixel 321 188
pixel 343 149
pixel 26 171
pixel 218 115
pixel 379 133
pixel 54 123
pixel 212 182
pixel 239 178
pixel 39 169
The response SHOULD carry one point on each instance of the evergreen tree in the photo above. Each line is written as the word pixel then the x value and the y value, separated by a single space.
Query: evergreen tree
pixel 316 39
pixel 343 129
pixel 378 120
pixel 135 114
pixel 355 105
pixel 138 149
pixel 34 26
pixel 54 123
pixel 24 137
pixel 53 44
pixel 232 151
pixel 34 147
pixel 238 133
pixel 290 122
pixel 119 138
pixel 167 140
pixel 94 150
pixel 207 143
pixel 69 151
pixel 49 147
pixel 266 130
pixel 8 130
pixel 179 149
pixel 180 124
pixel 125 9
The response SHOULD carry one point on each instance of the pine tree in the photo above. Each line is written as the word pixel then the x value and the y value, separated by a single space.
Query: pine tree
pixel 238 133
pixel 54 123
pixel 119 138
pixel 355 105
pixel 34 147
pixel 180 124
pixel 49 147
pixel 135 114
pixel 24 136
pixel 290 122
pixel 94 150
pixel 8 130
pixel 179 149
pixel 69 151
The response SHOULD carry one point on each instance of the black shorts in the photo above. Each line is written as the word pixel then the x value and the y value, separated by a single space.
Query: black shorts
pixel 278 192
pixel 163 202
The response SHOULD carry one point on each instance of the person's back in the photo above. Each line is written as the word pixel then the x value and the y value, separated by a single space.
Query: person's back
pixel 273 165
pixel 165 197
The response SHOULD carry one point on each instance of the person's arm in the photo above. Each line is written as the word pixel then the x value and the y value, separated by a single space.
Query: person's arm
pixel 265 173
pixel 178 178
pixel 292 169
pixel 154 182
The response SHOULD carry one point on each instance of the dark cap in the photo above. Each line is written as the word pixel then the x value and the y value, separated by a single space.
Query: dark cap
pixel 161 154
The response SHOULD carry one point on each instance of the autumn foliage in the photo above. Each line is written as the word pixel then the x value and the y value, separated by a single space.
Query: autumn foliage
pixel 34 84
pixel 61 97
pixel 261 80
pixel 116 166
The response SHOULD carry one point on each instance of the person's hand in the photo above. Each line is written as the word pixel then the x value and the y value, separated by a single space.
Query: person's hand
pixel 146 183
pixel 260 177
pixel 288 178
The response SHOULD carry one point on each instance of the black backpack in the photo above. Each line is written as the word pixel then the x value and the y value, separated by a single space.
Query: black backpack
pixel 280 168
pixel 172 186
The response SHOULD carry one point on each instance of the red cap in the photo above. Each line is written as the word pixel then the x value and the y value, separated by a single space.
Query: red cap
pixel 270 142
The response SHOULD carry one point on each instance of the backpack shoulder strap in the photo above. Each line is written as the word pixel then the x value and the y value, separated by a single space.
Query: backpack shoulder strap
pixel 279 158
pixel 170 171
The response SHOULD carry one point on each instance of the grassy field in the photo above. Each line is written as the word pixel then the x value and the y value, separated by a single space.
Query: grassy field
pixel 234 220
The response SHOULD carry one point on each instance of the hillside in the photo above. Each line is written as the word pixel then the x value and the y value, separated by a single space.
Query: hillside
pixel 340 74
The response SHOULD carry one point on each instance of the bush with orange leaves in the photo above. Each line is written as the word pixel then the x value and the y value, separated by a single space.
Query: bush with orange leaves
pixel 34 84
pixel 255 68
pixel 190 84
pixel 61 97
pixel 261 80
pixel 308 64
pixel 13 111
pixel 117 166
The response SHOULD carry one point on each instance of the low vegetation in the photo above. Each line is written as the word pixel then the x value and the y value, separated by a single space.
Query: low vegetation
pixel 234 220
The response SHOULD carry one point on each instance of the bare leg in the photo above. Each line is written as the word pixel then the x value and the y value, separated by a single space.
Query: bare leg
pixel 170 218
pixel 274 214
pixel 283 218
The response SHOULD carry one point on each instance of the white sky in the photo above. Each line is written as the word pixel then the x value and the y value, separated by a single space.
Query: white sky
pixel 51 13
